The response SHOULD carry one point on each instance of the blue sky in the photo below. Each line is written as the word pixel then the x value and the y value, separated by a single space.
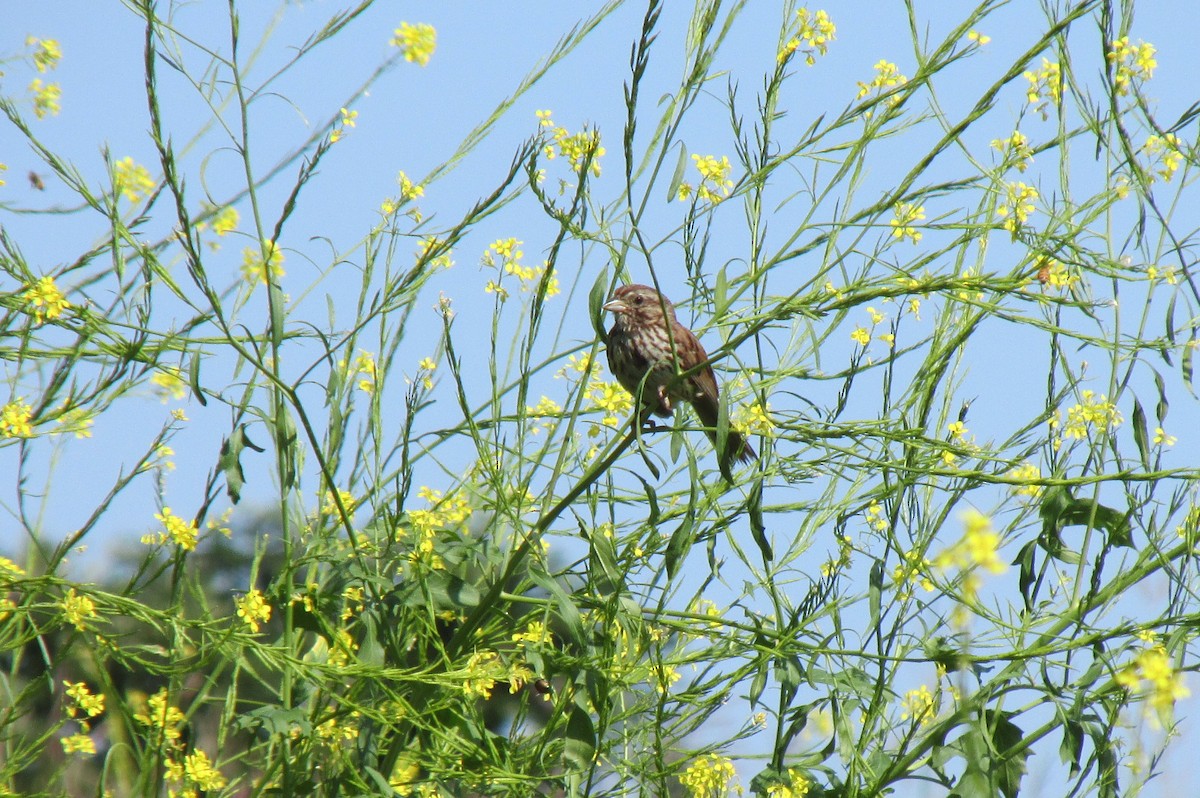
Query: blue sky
pixel 414 119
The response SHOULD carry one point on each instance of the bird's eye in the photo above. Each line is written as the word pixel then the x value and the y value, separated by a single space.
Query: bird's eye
pixel 637 299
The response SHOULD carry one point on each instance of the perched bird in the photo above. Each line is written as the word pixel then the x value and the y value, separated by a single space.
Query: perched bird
pixel 639 346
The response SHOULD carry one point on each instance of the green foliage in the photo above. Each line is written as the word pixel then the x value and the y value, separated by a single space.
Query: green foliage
pixel 467 573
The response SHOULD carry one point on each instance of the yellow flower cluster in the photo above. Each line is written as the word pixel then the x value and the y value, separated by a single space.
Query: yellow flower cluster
pixel 914 570
pixel 46 53
pixel 16 420
pixel 78 610
pixel 1046 82
pixel 1015 150
pixel 715 184
pixel 1026 471
pixel 485 668
pixel 875 518
pixel 435 252
pixel 348 119
pixel 46 301
pixel 253 609
pixel 812 33
pixel 708 776
pixel 1017 205
pixel 504 255
pixel 264 264
pixel 1132 62
pixel 753 419
pixel 906 216
pixel 1152 667
pixel 365 370
pixel 184 533
pixel 919 705
pixel 797 785
pixel 159 715
pixel 1166 151
pixel 416 42
pixel 547 409
pixel 47 98
pixel 580 149
pixel 168 384
pixel 132 180
pixel 978 548
pixel 887 78
pixel 1093 411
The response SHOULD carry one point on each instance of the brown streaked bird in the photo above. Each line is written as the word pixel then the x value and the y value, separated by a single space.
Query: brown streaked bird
pixel 639 346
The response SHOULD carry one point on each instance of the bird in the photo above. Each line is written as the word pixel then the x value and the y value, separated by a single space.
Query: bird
pixel 640 356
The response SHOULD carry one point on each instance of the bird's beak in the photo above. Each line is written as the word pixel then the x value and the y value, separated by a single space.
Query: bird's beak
pixel 615 306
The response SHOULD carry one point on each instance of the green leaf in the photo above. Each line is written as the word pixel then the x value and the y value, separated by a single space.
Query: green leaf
pixel 1185 366
pixel 568 613
pixel 579 749
pixel 230 463
pixel 194 380
pixel 758 684
pixel 721 294
pixel 602 565
pixel 1140 435
pixel 758 529
pixel 1070 750
pixel 681 538
pixel 1027 580
pixel 1009 764
pixel 1060 509
pixel 875 592
pixel 677 177
pixel 596 299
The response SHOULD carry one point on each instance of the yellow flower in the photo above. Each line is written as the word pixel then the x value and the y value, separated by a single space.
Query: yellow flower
pixel 83 700
pixel 184 533
pixel 257 268
pixel 46 97
pixel 409 190
pixel 416 42
pixel 1016 150
pixel 1017 205
pixel 902 224
pixel 1047 81
pixel 78 744
pixel 435 252
pixel 919 705
pixel 226 220
pixel 581 148
pixel 132 180
pixel 364 367
pixel 887 78
pixel 16 419
pixel 861 335
pixel 708 776
pixel 46 53
pixel 168 383
pixel 253 609
pixel 978 38
pixel 79 610
pixel 1026 471
pixel 1166 149
pixel 160 715
pixel 813 33
pixel 715 184
pixel 1161 438
pixel 1132 62
pixel 201 773
pixel 753 420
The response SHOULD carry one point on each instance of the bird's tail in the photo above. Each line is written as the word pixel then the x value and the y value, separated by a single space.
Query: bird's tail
pixel 736 445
